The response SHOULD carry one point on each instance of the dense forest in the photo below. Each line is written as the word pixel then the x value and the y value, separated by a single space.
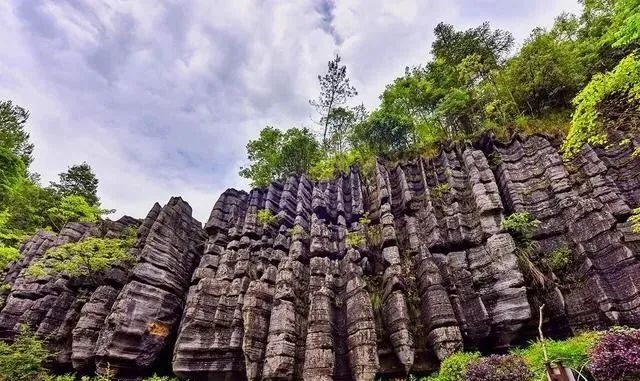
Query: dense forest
pixel 577 79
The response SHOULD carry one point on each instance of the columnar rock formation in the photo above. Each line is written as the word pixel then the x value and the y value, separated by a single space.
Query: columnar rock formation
pixel 381 273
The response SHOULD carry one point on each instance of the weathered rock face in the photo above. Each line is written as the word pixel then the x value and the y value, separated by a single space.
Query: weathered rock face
pixel 383 273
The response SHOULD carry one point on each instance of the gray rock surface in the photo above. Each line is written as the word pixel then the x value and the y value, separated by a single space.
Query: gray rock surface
pixel 367 275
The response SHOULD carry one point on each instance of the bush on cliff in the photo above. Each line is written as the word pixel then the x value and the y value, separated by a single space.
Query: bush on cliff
pixel 84 258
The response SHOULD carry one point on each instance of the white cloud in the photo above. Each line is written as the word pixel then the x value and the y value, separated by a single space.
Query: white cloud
pixel 161 97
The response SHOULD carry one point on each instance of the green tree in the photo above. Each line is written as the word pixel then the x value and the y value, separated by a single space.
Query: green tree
pixel 444 97
pixel 11 171
pixel 78 180
pixel 545 75
pixel 13 136
pixel 335 90
pixel 27 207
pixel 72 208
pixel 277 154
pixel 386 133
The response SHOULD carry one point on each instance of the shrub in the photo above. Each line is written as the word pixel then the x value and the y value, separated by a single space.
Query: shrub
pixel 84 258
pixel 8 255
pixel 616 357
pixel 521 225
pixel 573 352
pixel 499 368
pixel 559 260
pixel 23 360
pixel 454 367
pixel 265 218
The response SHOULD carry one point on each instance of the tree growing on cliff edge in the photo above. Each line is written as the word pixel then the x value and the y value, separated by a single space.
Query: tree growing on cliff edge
pixel 335 90
pixel 78 180
pixel 277 154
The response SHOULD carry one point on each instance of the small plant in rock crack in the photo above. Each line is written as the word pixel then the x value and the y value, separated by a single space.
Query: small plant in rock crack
pixel 376 301
pixel 559 260
pixel 265 217
pixel 355 239
pixel 440 190
pixel 520 225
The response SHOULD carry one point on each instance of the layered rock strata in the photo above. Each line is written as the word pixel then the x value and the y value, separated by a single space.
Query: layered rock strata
pixel 370 274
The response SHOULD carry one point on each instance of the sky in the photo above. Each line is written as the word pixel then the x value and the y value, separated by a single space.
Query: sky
pixel 161 97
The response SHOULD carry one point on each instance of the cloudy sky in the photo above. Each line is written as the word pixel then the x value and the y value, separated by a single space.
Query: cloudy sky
pixel 160 97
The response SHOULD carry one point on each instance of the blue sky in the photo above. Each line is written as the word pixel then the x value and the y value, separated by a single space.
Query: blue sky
pixel 160 97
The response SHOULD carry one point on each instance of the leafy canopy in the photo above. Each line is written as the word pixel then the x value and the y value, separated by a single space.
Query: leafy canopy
pixel 277 154
pixel 78 180
pixel 72 208
pixel 13 135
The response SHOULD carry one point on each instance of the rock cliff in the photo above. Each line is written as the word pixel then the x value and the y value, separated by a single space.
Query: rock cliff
pixel 380 273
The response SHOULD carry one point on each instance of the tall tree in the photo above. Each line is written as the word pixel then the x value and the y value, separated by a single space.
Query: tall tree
pixel 335 89
pixel 13 136
pixel 78 180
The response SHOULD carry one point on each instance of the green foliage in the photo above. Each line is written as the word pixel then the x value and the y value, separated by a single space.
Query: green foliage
pixel 8 255
pixel 625 24
pixel 559 260
pixel 26 210
pixel 454 367
pixel 332 164
pixel 635 220
pixel 624 79
pixel 23 360
pixel 520 225
pixel 11 171
pixel 72 208
pixel 439 190
pixel 13 136
pixel 355 239
pixel 386 133
pixel 78 180
pixel 573 352
pixel 84 258
pixel 266 218
pixel 376 301
pixel 277 154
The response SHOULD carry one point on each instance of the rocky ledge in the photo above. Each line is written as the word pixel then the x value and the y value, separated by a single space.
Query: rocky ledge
pixel 383 273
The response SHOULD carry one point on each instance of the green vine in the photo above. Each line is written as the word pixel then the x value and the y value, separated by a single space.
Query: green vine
pixel 585 128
